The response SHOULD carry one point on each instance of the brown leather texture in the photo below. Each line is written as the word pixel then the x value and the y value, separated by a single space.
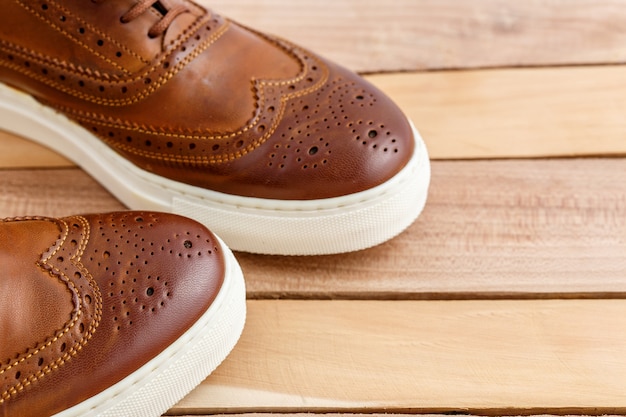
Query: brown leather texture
pixel 189 95
pixel 87 300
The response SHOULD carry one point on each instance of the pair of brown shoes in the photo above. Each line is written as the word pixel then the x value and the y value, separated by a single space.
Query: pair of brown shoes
pixel 176 109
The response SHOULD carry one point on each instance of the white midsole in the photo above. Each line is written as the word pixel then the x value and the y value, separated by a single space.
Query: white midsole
pixel 167 378
pixel 245 223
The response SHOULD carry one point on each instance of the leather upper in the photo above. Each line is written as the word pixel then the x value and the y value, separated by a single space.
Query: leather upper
pixel 87 300
pixel 207 102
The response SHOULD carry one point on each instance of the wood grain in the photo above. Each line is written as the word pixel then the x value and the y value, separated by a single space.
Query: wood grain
pixel 52 192
pixel 515 113
pixel 491 229
pixel 371 35
pixel 481 114
pixel 21 153
pixel 297 414
pixel 484 357
pixel 531 228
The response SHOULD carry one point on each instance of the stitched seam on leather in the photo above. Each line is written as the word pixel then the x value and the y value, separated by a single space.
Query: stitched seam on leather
pixel 142 94
pixel 66 233
pixel 87 73
pixel 204 159
pixel 90 119
pixel 92 283
pixel 84 45
pixel 289 48
pixel 231 156
pixel 45 61
pixel 12 390
pixel 46 370
pixel 77 346
pixel 145 130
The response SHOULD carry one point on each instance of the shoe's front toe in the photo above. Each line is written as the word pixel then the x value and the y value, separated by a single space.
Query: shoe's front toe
pixel 272 120
pixel 256 116
pixel 336 135
pixel 101 297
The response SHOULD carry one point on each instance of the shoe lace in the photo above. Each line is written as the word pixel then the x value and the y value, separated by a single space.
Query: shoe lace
pixel 143 6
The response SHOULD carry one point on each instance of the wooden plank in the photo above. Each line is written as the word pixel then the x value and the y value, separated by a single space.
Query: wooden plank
pixel 483 357
pixel 52 192
pixel 490 229
pixel 515 113
pixel 531 228
pixel 20 153
pixel 483 114
pixel 383 414
pixel 371 35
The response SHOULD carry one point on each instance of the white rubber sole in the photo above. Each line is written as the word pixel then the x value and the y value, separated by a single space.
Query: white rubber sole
pixel 279 227
pixel 166 379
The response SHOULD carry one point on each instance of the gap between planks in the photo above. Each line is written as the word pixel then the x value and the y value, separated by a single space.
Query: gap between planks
pixel 490 229
pixel 514 113
pixel 481 357
pixel 402 35
pixel 385 414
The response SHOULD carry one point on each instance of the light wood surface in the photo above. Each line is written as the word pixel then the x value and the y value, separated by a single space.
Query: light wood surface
pixel 515 113
pixel 536 228
pixel 476 356
pixel 373 414
pixel 373 35
pixel 20 153
pixel 508 295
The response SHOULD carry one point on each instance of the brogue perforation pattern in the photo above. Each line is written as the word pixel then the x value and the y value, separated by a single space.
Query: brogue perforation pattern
pixel 81 32
pixel 63 262
pixel 315 126
pixel 134 286
pixel 136 283
pixel 203 147
pixel 103 88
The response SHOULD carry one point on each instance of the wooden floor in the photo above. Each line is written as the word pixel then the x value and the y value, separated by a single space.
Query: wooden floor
pixel 508 295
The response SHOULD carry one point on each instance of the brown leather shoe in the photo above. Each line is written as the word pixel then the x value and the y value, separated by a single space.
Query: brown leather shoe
pixel 173 107
pixel 119 314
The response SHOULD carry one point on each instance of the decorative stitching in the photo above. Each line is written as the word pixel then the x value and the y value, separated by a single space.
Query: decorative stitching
pixel 84 45
pixel 202 160
pixel 42 60
pixel 54 271
pixel 259 87
pixel 138 79
pixel 92 119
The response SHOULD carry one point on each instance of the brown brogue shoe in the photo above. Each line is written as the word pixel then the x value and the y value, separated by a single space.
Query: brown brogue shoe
pixel 116 314
pixel 175 108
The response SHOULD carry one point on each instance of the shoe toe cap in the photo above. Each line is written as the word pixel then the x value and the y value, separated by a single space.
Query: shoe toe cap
pixel 134 282
pixel 339 137
pixel 157 274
